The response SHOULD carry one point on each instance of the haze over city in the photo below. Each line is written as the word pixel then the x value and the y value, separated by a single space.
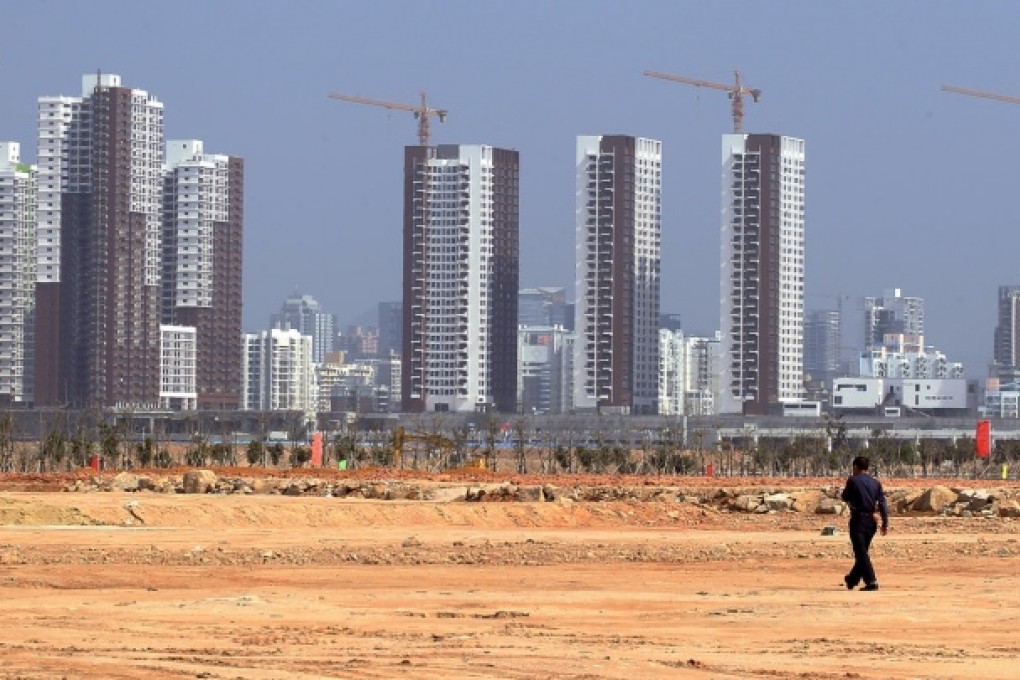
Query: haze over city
pixel 907 186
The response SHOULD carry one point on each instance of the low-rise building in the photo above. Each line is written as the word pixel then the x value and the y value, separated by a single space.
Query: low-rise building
pixel 904 356
pixel 934 396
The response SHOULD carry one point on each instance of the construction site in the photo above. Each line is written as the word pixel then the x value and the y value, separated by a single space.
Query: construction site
pixel 470 573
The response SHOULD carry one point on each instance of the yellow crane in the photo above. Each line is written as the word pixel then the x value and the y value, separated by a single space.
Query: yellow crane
pixel 423 112
pixel 981 93
pixel 736 92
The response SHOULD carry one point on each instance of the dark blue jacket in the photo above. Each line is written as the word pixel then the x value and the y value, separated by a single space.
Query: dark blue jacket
pixel 864 494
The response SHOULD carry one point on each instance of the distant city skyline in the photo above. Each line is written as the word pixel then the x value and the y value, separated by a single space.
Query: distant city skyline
pixel 899 168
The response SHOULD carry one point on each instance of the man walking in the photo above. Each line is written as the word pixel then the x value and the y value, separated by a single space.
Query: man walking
pixel 864 494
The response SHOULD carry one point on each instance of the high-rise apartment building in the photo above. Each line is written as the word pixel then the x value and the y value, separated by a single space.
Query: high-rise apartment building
pixel 892 314
pixel 304 313
pixel 203 219
pixel 359 343
pixel 543 378
pixel 1006 352
pixel 178 377
pixel 822 330
pixel 388 383
pixel 544 307
pixel 98 230
pixel 688 373
pixel 391 328
pixel 17 274
pixel 277 371
pixel 461 272
pixel 762 303
pixel 618 228
pixel 671 322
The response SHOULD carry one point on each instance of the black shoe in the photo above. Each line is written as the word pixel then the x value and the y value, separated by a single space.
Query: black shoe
pixel 870 586
pixel 850 584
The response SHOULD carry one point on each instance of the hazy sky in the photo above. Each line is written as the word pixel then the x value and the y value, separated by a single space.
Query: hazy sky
pixel 907 186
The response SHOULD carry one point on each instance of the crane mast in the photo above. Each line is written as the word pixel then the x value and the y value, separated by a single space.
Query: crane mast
pixel 736 92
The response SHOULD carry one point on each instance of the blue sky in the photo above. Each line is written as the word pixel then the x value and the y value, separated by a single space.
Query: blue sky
pixel 907 186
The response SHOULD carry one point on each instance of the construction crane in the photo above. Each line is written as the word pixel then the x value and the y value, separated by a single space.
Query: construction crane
pixel 423 112
pixel 736 92
pixel 980 93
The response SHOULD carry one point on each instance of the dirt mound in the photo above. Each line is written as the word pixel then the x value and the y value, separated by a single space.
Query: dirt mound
pixel 280 512
pixel 36 512
pixel 55 481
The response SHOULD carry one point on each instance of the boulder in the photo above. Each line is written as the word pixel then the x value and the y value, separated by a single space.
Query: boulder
pixel 398 492
pixel 529 494
pixel 976 499
pixel 260 486
pixel 830 506
pixel 295 489
pixel 1009 508
pixel 746 503
pixel 934 499
pixel 778 501
pixel 166 485
pixel 720 494
pixel 902 501
pixel 125 481
pixel 806 501
pixel 199 481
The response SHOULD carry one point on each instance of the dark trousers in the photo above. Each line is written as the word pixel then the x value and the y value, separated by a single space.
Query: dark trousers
pixel 862 530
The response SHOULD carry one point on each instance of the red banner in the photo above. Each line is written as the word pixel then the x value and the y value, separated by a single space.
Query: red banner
pixel 317 449
pixel 983 438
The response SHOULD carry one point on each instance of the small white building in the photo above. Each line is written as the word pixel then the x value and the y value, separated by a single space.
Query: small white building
pixel 911 394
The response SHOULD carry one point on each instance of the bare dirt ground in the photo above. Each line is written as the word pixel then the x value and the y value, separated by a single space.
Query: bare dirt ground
pixel 133 585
